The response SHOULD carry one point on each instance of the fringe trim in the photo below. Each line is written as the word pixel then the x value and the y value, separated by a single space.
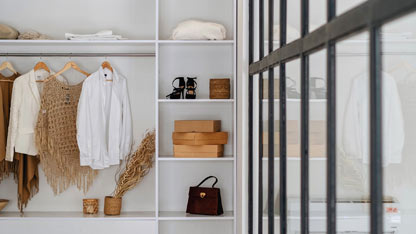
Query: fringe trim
pixel 7 168
pixel 62 170
pixel 33 190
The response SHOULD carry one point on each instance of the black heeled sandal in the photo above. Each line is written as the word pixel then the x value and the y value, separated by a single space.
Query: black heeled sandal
pixel 177 92
pixel 191 86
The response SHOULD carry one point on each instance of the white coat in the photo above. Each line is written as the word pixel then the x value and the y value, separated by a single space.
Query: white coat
pixel 104 124
pixel 356 133
pixel 24 109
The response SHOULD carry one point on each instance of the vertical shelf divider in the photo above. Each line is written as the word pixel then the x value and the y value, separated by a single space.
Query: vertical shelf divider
pixel 157 116
pixel 234 113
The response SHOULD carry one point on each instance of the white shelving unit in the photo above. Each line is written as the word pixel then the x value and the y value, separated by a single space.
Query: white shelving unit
pixel 171 158
pixel 158 204
pixel 297 159
pixel 196 101
pixel 76 216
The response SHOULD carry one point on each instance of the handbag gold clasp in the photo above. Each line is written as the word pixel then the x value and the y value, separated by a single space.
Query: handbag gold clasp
pixel 202 194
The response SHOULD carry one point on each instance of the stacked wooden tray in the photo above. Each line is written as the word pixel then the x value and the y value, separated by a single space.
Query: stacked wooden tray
pixel 198 139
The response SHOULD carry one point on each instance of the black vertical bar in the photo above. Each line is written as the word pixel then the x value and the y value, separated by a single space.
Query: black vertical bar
pixel 250 117
pixel 270 195
pixel 282 122
pixel 260 156
pixel 250 155
pixel 376 132
pixel 331 127
pixel 305 145
pixel 304 124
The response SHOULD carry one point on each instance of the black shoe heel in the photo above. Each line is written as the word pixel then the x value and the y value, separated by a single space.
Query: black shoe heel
pixel 179 91
pixel 191 86
pixel 176 94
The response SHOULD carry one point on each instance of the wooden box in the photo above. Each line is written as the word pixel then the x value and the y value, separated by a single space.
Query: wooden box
pixel 201 138
pixel 197 125
pixel 317 133
pixel 219 89
pixel 198 151
pixel 266 88
pixel 292 129
pixel 293 151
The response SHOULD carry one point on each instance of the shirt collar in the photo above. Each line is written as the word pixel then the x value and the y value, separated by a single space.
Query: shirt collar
pixel 107 74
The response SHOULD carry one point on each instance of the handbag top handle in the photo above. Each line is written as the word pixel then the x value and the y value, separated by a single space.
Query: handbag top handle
pixel 209 177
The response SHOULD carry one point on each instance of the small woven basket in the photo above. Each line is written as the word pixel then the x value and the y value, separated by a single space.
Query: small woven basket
pixel 219 88
pixel 90 206
pixel 112 205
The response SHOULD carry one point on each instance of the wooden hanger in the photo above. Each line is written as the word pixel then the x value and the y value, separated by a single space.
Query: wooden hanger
pixel 107 65
pixel 41 65
pixel 405 65
pixel 9 66
pixel 68 66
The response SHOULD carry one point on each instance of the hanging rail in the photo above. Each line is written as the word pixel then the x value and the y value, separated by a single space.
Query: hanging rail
pixel 77 54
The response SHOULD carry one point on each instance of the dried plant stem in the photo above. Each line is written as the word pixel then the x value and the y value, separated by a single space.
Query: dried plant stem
pixel 137 166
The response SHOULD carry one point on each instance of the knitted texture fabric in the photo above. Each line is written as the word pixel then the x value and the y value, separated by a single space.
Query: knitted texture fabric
pixel 56 138
pixel 33 35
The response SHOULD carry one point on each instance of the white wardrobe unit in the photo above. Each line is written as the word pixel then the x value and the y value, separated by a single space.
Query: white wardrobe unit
pixel 158 203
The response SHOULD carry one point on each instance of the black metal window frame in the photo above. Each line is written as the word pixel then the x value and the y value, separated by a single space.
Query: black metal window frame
pixel 370 15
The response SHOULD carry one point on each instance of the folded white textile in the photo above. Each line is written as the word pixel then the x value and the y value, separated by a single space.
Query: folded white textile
pixel 101 35
pixel 96 38
pixel 199 30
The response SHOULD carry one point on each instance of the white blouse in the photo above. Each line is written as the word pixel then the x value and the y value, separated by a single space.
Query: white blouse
pixel 104 124
pixel 356 134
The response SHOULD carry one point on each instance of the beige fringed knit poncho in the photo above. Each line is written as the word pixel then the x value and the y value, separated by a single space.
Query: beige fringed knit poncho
pixel 56 138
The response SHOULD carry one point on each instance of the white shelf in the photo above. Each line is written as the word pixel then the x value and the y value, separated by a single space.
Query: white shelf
pixel 181 215
pixel 298 100
pixel 75 43
pixel 146 215
pixel 321 215
pixel 196 100
pixel 297 159
pixel 171 158
pixel 366 41
pixel 201 42
pixel 114 42
pixel 360 41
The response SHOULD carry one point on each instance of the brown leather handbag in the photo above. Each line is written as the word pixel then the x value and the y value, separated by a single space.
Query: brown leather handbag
pixel 205 201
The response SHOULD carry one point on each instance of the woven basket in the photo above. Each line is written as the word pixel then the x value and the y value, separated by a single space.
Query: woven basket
pixel 219 88
pixel 90 206
pixel 112 206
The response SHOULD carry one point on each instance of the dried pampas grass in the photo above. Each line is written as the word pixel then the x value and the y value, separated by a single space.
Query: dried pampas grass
pixel 137 165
